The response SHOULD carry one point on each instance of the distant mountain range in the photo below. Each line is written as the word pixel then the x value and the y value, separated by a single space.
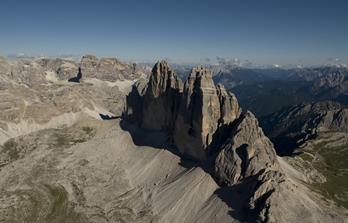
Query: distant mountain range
pixel 264 91
pixel 313 138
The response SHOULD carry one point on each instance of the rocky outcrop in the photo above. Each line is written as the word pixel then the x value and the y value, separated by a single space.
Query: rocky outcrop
pixel 246 152
pixel 113 69
pixel 41 70
pixel 108 69
pixel 88 65
pixel 192 114
pixel 30 101
pixel 162 98
pixel 133 110
pixel 203 109
pixel 229 107
pixel 205 122
pixel 63 68
pixel 27 72
pixel 248 164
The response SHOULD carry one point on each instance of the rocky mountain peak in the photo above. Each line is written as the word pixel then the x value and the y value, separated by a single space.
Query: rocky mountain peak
pixel 89 57
pixel 192 113
pixel 229 107
pixel 162 98
pixel 162 79
pixel 246 152
pixel 63 68
pixel 204 107
pixel 200 71
pixel 108 69
pixel 89 65
pixel 205 123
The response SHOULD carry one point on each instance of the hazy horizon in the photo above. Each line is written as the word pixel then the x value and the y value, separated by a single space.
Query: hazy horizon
pixel 261 33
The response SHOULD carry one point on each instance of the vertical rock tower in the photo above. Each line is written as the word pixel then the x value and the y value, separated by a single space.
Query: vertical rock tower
pixel 162 98
pixel 192 114
pixel 206 123
pixel 203 109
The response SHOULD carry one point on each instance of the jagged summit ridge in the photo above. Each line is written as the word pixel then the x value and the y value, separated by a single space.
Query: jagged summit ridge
pixel 246 152
pixel 161 99
pixel 192 112
pixel 205 122
pixel 203 108
pixel 163 78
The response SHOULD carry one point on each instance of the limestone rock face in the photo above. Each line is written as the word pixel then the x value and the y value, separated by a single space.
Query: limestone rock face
pixel 248 161
pixel 162 98
pixel 203 109
pixel 229 107
pixel 108 69
pixel 112 69
pixel 64 69
pixel 105 69
pixel 247 152
pixel 134 102
pixel 27 72
pixel 89 65
pixel 205 123
pixel 192 114
pixel 32 96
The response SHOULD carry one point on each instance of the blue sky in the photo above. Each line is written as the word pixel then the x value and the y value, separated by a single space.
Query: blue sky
pixel 263 31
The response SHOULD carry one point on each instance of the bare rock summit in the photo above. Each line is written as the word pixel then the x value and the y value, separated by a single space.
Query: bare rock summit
pixel 203 109
pixel 205 123
pixel 162 98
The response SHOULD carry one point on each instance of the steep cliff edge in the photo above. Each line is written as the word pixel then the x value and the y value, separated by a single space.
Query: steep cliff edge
pixel 203 109
pixel 205 122
pixel 191 113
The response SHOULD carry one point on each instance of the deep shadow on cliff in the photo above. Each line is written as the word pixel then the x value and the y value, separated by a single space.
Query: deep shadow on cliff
pixel 235 196
pixel 77 78
pixel 156 139
pixel 203 124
